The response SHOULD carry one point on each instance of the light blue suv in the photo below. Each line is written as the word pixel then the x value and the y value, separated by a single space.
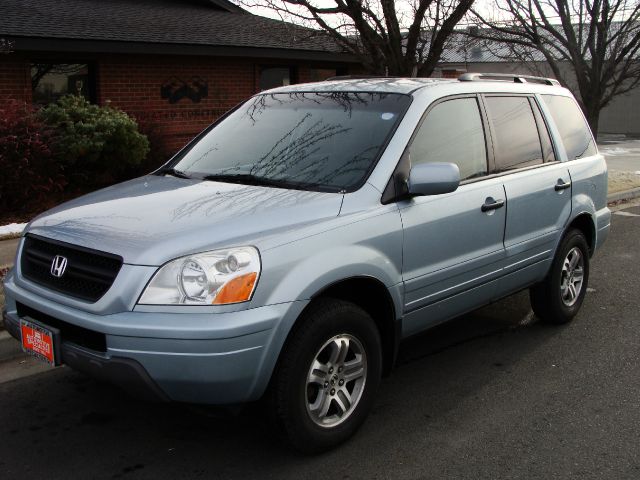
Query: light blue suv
pixel 285 253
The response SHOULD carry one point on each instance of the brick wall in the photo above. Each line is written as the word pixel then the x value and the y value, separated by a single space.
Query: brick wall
pixel 15 78
pixel 135 84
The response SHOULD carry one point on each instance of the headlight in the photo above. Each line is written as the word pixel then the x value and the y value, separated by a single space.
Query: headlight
pixel 219 277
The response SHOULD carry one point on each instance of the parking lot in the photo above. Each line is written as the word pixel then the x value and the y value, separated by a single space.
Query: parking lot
pixel 491 395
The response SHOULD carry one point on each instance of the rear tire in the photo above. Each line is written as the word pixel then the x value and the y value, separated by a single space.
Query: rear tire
pixel 327 376
pixel 558 298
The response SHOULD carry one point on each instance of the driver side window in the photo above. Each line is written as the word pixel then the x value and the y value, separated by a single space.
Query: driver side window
pixel 452 132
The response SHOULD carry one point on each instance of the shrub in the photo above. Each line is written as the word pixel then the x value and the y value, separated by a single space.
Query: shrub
pixel 95 145
pixel 158 153
pixel 30 178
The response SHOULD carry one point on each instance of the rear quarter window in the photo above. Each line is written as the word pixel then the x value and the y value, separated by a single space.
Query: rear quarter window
pixel 574 131
pixel 514 131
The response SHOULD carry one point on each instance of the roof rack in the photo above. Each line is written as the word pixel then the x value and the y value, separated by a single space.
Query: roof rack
pixel 506 77
pixel 353 77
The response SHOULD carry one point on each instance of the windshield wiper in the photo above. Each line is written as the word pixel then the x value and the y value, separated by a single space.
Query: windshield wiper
pixel 173 172
pixel 249 179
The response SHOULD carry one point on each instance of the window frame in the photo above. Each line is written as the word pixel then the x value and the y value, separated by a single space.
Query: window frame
pixel 483 121
pixel 393 192
pixel 92 72
pixel 548 145
pixel 530 96
pixel 293 74
pixel 544 107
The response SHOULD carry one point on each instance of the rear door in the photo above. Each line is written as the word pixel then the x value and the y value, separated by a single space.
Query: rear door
pixel 453 247
pixel 537 187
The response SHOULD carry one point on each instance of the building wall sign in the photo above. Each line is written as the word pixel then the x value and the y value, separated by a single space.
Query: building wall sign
pixel 176 89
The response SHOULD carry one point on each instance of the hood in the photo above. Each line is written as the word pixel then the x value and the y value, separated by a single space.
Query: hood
pixel 153 219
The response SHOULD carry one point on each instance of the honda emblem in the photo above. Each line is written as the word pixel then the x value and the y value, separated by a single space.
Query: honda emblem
pixel 58 266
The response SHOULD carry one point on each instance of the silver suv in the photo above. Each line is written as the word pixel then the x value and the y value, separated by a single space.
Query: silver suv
pixel 285 252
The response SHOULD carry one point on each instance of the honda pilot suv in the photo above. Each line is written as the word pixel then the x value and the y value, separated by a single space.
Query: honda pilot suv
pixel 285 252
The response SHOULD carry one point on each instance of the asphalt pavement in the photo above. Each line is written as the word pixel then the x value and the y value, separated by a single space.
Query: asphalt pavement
pixel 493 395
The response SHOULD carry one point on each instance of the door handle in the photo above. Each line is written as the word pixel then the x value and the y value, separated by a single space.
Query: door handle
pixel 561 185
pixel 491 204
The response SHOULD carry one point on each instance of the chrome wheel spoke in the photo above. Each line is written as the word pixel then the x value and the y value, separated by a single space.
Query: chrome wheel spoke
pixel 353 369
pixel 318 373
pixel 343 401
pixel 572 277
pixel 578 274
pixel 575 258
pixel 321 406
pixel 339 350
pixel 335 380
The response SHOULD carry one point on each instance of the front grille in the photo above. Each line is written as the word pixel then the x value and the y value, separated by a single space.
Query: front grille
pixel 68 333
pixel 88 275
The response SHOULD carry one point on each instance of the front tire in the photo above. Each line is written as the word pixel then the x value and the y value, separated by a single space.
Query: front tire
pixel 327 376
pixel 558 298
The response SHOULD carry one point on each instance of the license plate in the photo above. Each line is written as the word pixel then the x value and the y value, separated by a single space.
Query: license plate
pixel 39 341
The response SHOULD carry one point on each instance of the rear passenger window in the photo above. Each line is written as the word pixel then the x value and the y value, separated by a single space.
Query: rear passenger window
pixel 514 132
pixel 452 132
pixel 575 133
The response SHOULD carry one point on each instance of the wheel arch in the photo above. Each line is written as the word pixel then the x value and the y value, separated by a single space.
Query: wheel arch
pixel 374 297
pixel 586 224
pixel 370 294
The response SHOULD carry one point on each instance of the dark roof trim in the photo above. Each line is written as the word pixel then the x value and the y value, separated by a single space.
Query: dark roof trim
pixel 27 44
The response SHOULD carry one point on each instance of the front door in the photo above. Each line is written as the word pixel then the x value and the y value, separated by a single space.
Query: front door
pixel 453 243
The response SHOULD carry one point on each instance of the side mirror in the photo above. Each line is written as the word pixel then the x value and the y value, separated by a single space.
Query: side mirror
pixel 433 179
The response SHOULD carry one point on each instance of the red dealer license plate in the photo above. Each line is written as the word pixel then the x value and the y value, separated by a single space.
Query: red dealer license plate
pixel 38 341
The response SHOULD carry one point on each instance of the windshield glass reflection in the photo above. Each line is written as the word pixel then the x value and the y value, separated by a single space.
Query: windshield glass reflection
pixel 318 141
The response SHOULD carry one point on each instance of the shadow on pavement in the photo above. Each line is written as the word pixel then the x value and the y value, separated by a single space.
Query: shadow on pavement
pixel 70 423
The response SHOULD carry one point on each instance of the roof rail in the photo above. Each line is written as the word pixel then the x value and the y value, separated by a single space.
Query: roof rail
pixel 506 77
pixel 353 77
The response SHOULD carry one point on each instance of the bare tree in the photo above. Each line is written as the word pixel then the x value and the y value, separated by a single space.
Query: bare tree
pixel 398 38
pixel 591 46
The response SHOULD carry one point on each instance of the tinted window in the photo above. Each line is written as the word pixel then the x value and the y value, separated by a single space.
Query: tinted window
pixel 453 132
pixel 50 81
pixel 547 147
pixel 574 131
pixel 515 135
pixel 322 141
pixel 272 77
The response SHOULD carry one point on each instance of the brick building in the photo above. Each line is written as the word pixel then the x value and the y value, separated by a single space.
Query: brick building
pixel 176 65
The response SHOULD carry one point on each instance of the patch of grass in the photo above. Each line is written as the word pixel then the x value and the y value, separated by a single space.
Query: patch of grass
pixel 9 236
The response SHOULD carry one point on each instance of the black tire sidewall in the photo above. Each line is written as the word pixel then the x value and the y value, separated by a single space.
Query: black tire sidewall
pixel 574 238
pixel 339 318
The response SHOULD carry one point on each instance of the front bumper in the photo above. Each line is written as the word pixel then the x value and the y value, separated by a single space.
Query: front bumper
pixel 186 356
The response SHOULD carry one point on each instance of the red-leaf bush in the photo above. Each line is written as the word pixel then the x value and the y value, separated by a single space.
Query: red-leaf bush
pixel 30 178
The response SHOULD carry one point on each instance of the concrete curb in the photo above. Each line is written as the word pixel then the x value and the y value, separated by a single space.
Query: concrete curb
pixel 625 195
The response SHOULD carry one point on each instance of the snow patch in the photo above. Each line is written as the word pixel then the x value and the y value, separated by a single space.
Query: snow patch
pixel 615 151
pixel 12 228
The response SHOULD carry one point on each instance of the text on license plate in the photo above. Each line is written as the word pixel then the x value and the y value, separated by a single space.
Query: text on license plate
pixel 37 341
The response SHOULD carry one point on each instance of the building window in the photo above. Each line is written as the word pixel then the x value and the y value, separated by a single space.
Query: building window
pixel 50 81
pixel 272 77
pixel 321 74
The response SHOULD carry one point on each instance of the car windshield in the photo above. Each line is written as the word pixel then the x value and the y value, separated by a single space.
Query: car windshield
pixel 316 141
